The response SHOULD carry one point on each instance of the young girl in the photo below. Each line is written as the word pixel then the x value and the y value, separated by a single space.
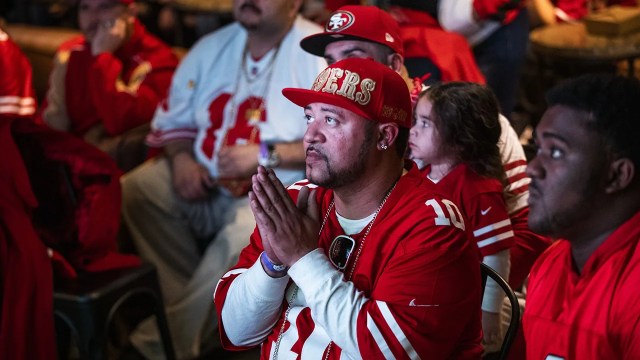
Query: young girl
pixel 455 138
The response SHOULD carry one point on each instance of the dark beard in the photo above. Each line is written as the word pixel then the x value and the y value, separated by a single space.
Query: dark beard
pixel 339 179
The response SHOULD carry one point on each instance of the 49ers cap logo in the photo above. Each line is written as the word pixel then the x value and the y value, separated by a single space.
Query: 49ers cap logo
pixel 339 21
pixel 362 86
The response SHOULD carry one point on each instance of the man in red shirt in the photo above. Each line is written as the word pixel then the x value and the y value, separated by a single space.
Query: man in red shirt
pixel 372 262
pixel 585 190
pixel 106 84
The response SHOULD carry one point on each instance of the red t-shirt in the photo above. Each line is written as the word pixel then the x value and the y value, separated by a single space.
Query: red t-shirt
pixel 592 315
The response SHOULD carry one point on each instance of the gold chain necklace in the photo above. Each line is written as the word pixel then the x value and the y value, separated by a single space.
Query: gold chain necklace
pixel 355 261
pixel 256 104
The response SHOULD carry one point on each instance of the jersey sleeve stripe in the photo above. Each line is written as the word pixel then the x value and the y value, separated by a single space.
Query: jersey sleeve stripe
pixel 228 274
pixel 494 226
pixel 379 339
pixel 514 164
pixel 397 331
pixel 495 239
pixel 517 177
pixel 160 138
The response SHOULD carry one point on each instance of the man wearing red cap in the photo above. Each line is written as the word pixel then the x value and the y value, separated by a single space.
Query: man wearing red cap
pixel 368 32
pixel 106 84
pixel 371 262
pixel 354 30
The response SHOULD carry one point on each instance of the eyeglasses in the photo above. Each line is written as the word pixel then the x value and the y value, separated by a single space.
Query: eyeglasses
pixel 340 250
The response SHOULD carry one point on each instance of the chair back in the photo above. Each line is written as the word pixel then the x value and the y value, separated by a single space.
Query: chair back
pixel 512 330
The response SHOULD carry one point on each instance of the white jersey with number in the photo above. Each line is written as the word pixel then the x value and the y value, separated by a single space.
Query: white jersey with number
pixel 214 95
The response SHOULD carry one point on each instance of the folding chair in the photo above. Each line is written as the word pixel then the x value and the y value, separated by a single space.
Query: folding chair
pixel 512 330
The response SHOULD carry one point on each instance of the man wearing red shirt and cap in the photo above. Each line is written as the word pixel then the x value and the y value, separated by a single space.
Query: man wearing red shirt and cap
pixel 107 83
pixel 369 32
pixel 369 251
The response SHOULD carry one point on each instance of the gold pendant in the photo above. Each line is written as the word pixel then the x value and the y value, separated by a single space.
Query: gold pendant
pixel 254 116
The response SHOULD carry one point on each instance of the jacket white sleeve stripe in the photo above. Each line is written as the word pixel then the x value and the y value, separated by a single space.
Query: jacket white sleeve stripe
pixel 17 105
pixel 16 100
pixel 377 336
pixel 397 331
pixel 16 109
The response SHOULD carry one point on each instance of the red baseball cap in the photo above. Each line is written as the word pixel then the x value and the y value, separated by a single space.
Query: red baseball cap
pixel 356 22
pixel 362 86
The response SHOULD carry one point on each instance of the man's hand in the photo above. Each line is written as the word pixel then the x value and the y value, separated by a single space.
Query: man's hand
pixel 239 161
pixel 109 36
pixel 288 231
pixel 190 179
pixel 492 335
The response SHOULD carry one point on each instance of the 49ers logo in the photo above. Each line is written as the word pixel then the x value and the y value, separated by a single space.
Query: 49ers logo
pixel 339 21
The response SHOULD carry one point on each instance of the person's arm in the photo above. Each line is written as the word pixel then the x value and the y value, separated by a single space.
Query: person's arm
pixel 544 10
pixel 248 299
pixel 256 317
pixel 124 104
pixel 492 301
pixel 54 108
pixel 190 179
pixel 17 97
pixel 241 161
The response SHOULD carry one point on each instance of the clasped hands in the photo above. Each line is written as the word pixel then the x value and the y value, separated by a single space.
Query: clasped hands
pixel 288 230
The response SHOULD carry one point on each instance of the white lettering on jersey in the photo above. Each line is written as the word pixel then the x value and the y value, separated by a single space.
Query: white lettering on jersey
pixel 455 216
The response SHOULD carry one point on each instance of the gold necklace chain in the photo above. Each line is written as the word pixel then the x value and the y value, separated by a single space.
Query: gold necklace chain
pixel 268 70
pixel 295 290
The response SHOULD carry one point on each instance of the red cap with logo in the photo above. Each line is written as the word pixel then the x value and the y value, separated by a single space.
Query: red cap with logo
pixel 362 86
pixel 356 22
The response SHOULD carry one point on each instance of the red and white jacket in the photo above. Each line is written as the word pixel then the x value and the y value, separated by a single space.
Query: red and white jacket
pixel 415 290
pixel 119 90
pixel 17 97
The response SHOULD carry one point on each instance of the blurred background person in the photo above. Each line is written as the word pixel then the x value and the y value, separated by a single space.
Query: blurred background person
pixel 106 84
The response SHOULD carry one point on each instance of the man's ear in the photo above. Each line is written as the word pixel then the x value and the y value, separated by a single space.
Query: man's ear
pixel 621 175
pixel 396 62
pixel 387 135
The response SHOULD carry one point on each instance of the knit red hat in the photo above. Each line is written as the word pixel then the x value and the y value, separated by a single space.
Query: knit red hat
pixel 362 86
pixel 356 22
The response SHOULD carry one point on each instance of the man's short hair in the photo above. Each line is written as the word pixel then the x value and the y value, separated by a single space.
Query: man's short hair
pixel 612 104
